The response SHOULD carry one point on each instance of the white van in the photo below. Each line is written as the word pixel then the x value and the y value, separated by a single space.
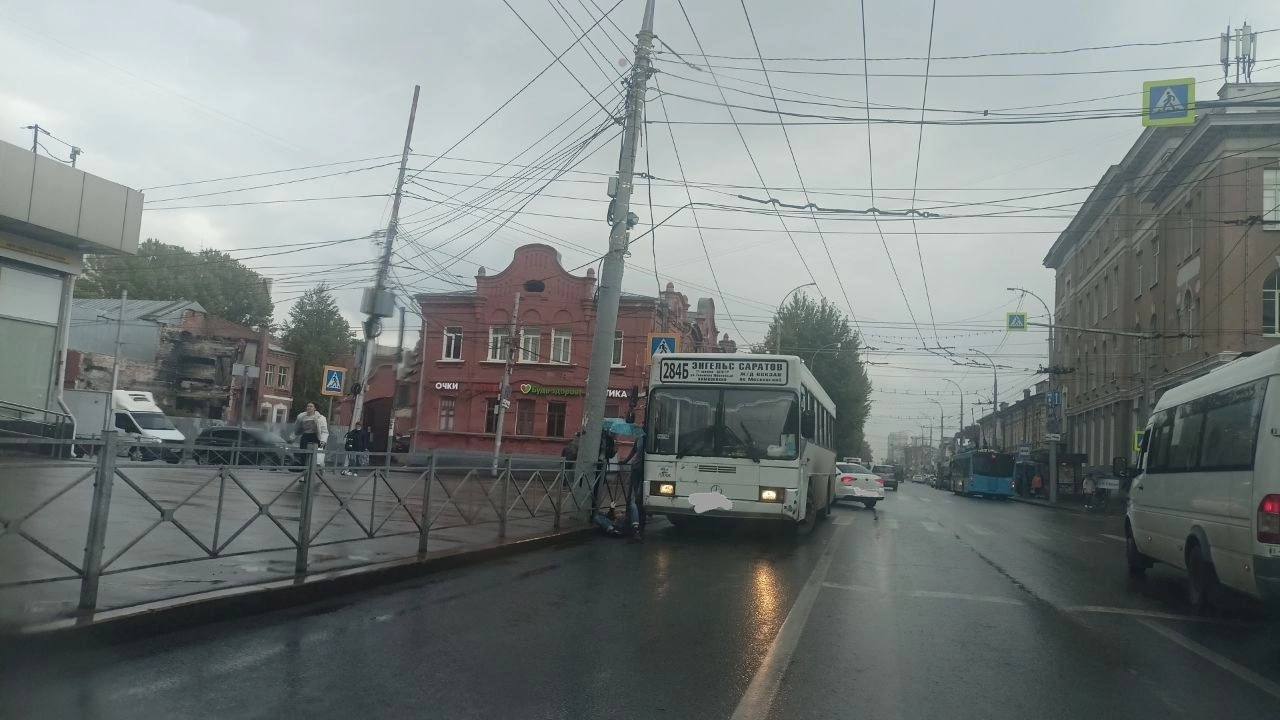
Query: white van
pixel 138 415
pixel 1207 495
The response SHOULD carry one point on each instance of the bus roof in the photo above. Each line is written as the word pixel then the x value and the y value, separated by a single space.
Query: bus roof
pixel 1236 372
pixel 798 374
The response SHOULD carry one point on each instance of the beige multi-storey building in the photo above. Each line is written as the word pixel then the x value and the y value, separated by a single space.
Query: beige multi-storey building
pixel 1170 268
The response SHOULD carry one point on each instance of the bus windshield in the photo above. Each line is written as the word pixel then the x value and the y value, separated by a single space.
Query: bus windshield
pixel 730 423
pixel 993 465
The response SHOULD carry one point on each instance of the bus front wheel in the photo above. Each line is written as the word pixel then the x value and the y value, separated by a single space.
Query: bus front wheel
pixel 805 527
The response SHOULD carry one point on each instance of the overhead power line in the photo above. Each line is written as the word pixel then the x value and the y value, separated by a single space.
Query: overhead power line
pixel 1006 53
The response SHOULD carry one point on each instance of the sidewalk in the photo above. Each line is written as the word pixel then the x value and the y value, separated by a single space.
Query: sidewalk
pixel 186 539
pixel 1075 504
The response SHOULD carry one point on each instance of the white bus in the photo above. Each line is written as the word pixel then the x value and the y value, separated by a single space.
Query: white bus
pixel 742 436
pixel 1207 496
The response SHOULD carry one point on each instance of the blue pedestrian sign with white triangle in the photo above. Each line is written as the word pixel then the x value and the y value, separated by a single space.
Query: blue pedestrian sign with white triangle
pixel 334 381
pixel 1015 321
pixel 1169 102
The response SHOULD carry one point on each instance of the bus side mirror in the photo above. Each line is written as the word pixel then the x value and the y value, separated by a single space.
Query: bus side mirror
pixel 807 422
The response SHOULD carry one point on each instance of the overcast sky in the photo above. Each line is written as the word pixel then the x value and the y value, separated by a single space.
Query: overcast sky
pixel 158 93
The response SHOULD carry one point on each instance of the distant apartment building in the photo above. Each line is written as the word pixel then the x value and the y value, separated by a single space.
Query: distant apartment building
pixel 1177 247
pixel 898 440
pixel 466 335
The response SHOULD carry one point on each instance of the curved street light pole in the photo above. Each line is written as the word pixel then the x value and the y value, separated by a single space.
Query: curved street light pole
pixel 1052 422
pixel 957 386
pixel 777 343
pixel 995 392
pixel 938 453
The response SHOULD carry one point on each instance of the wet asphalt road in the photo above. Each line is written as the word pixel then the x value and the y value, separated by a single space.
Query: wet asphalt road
pixel 932 607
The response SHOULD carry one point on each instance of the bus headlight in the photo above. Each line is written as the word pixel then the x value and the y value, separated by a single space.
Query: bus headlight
pixel 665 489
pixel 770 495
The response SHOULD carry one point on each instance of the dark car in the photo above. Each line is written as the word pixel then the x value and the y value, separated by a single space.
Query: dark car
pixel 889 474
pixel 218 446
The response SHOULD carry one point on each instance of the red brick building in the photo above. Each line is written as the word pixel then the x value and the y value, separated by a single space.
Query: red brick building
pixel 465 335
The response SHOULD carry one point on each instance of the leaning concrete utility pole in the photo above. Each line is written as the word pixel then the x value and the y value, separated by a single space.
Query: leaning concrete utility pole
pixel 377 302
pixel 610 289
pixel 504 390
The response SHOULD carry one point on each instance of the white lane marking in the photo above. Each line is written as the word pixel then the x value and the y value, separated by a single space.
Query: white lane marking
pixel 891 523
pixel 1086 538
pixel 937 594
pixel 963 596
pixel 1035 536
pixel 1240 671
pixel 1109 536
pixel 924 499
pixel 843 520
pixel 931 526
pixel 1135 612
pixel 978 530
pixel 855 588
pixel 764 685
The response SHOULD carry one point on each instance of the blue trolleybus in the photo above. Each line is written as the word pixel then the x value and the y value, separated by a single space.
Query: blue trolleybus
pixel 982 472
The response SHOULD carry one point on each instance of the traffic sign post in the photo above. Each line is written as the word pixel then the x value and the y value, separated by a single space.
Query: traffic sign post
pixel 1016 321
pixel 1169 102
pixel 663 344
pixel 333 381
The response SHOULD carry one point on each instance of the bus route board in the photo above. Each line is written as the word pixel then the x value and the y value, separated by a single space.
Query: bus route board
pixel 722 372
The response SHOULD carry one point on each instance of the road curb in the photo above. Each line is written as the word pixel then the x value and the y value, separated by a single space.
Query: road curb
pixel 1061 508
pixel 234 603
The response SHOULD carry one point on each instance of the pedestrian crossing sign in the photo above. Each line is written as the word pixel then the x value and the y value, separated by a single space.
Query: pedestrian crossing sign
pixel 1015 321
pixel 1169 102
pixel 334 380
pixel 663 344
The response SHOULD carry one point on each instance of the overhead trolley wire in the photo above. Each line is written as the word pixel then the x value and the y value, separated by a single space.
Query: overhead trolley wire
pixel 747 148
pixel 853 315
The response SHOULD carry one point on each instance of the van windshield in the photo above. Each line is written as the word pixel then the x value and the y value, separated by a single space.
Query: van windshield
pixel 152 421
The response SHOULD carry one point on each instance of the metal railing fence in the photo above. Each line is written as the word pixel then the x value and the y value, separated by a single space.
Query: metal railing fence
pixel 108 515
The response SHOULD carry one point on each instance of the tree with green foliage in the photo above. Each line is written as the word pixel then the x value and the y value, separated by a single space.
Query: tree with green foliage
pixel 819 333
pixel 219 282
pixel 317 333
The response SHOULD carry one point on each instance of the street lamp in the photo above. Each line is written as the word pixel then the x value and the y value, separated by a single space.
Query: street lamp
pixel 777 347
pixel 995 391
pixel 940 426
pixel 1052 423
pixel 957 385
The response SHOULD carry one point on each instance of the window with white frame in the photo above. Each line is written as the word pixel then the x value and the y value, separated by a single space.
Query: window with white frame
pixel 452 349
pixel 448 411
pixel 1271 303
pixel 270 378
pixel 499 343
pixel 1115 287
pixel 617 348
pixel 561 346
pixel 1271 199
pixel 530 344
pixel 282 377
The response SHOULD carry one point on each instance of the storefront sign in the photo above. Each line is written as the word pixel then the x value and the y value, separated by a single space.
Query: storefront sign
pixel 619 394
pixel 446 386
pixel 532 389
pixel 722 372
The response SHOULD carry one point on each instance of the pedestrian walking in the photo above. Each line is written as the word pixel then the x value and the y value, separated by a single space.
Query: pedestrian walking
pixel 1089 487
pixel 313 431
pixel 634 463
pixel 1037 485
pixel 357 446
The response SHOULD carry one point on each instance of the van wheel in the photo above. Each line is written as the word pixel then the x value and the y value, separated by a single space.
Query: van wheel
pixel 1202 579
pixel 135 454
pixel 1137 562
pixel 825 512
